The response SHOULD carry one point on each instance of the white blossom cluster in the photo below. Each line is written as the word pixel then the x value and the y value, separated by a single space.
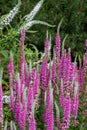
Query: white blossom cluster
pixel 6 99
pixel 9 17
pixel 29 22
pixel 32 14
pixel 28 19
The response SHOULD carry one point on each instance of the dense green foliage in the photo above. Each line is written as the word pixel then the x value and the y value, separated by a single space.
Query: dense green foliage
pixel 74 23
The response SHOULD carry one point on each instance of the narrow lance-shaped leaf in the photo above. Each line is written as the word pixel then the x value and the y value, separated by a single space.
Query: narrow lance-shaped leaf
pixel 59 25
pixel 14 126
pixel 5 125
pixel 31 23
pixel 57 116
pixel 11 125
pixel 62 93
pixel 63 43
pixel 76 99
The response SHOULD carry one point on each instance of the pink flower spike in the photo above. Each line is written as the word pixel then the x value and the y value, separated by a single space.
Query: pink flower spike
pixel 22 62
pixel 48 112
pixel 36 85
pixel 66 113
pixel 11 78
pixel 47 47
pixel 11 71
pixel 22 117
pixel 11 66
pixel 43 75
pixel 46 43
pixel 32 124
pixel 22 35
pixel 17 110
pixel 58 116
pixel 32 121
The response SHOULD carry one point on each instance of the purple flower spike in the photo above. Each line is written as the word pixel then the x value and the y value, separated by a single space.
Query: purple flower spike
pixel 22 62
pixel 11 70
pixel 22 117
pixel 66 113
pixel 11 66
pixel 17 110
pixel 43 75
pixel 46 43
pixel 36 85
pixel 30 98
pixel 32 123
pixel 11 78
pixel 22 35
pixel 48 112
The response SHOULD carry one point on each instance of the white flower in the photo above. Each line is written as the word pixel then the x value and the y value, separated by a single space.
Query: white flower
pixel 32 14
pixel 6 19
pixel 6 99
